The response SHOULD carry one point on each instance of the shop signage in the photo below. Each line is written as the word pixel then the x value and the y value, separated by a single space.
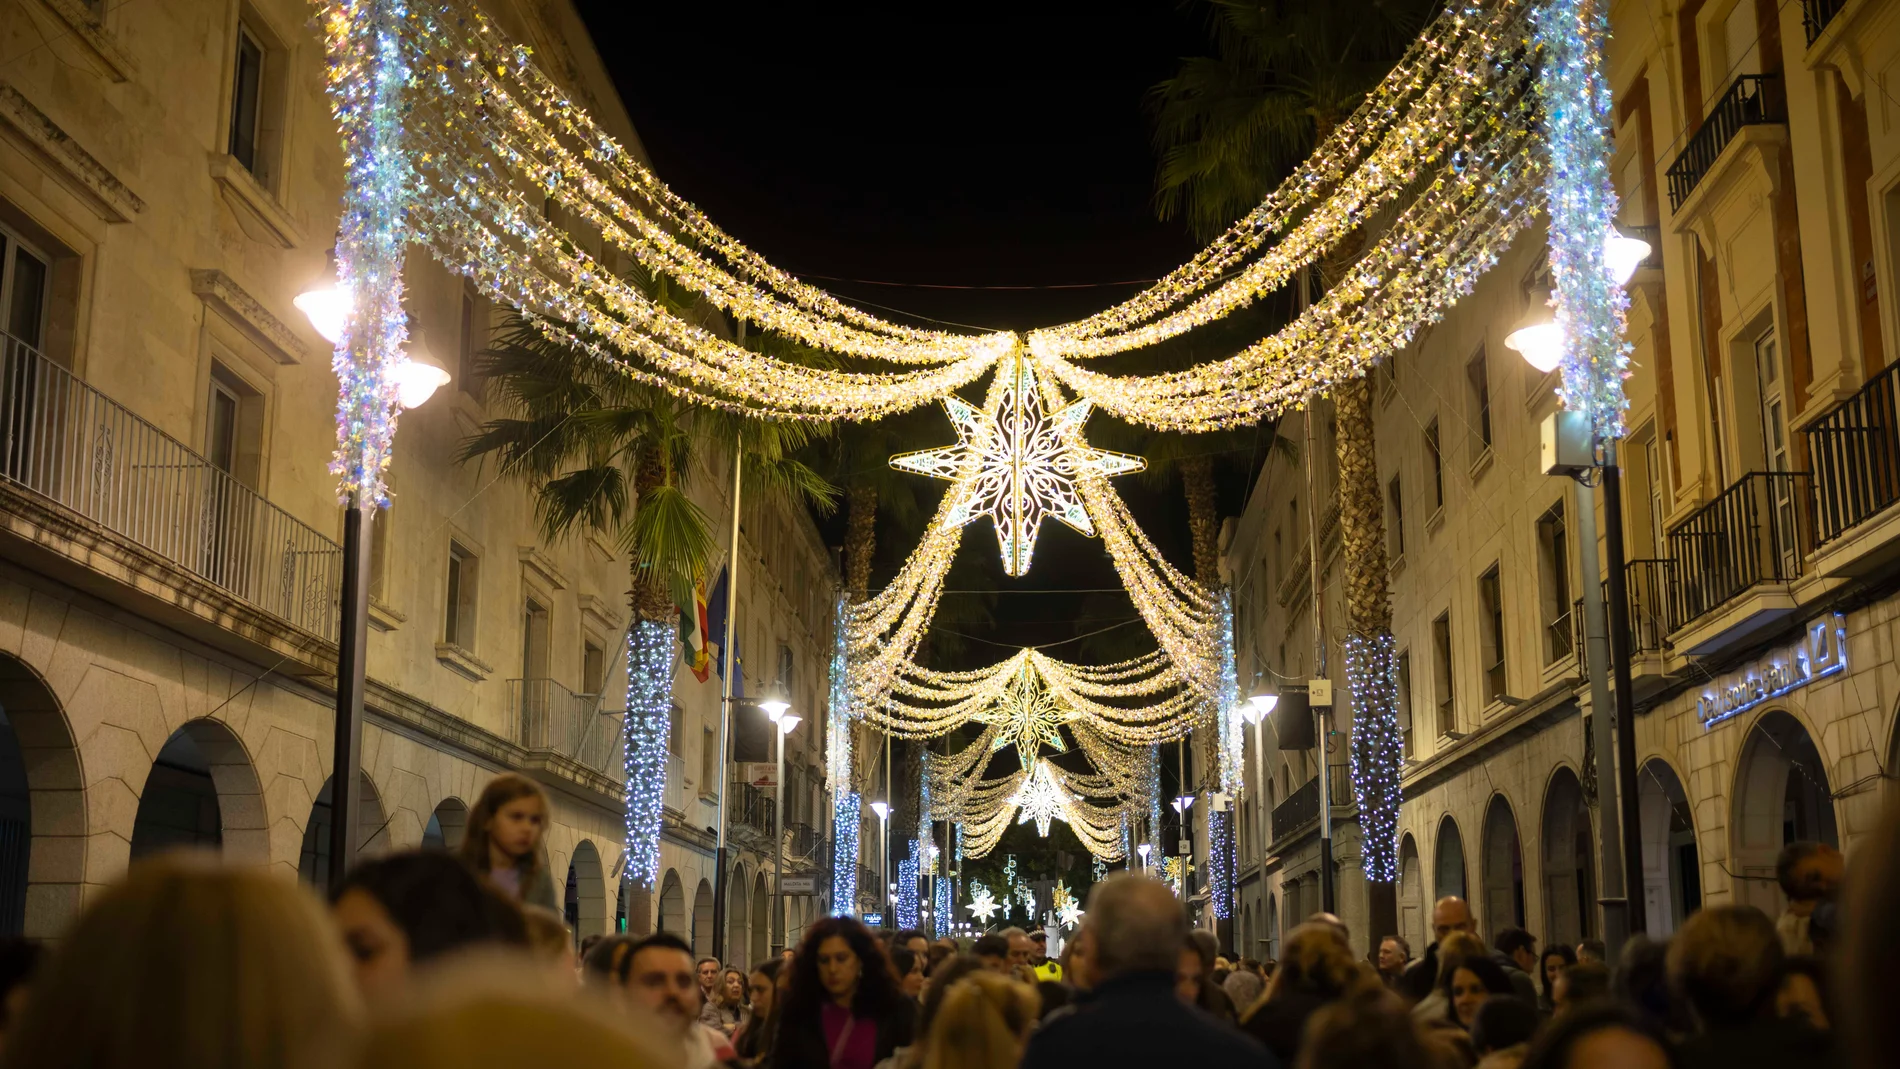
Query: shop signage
pixel 1821 651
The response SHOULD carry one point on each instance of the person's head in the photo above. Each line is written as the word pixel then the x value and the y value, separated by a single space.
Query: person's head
pixel 1020 948
pixel 189 962
pixel 1451 914
pixel 732 991
pixel 1243 987
pixel 761 988
pixel 1080 969
pixel 1641 983
pixel 913 940
pixel 1468 983
pixel 549 938
pixel 1802 994
pixel 1393 954
pixel 982 1022
pixel 403 910
pixel 707 969
pixel 1038 946
pixel 1371 1027
pixel 1551 964
pixel 948 972
pixel 1456 948
pixel 505 825
pixel 1518 945
pixel 1208 944
pixel 1190 971
pixel 1503 1021
pixel 1314 962
pixel 1053 994
pixel 1726 963
pixel 1808 871
pixel 1138 924
pixel 1870 1030
pixel 1602 1035
pixel 992 948
pixel 1331 920
pixel 1579 984
pixel 909 966
pixel 1593 950
pixel 657 972
pixel 939 950
pixel 839 961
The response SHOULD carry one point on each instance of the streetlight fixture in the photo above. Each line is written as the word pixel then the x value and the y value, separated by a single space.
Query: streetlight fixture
pixel 883 811
pixel 1259 705
pixel 775 710
pixel 1143 849
pixel 328 309
pixel 418 375
pixel 774 701
pixel 1623 255
pixel 1537 336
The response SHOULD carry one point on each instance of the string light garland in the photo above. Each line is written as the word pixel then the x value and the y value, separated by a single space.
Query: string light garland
pixel 940 913
pixel 1377 751
pixel 846 818
pixel 648 725
pixel 846 804
pixel 1220 862
pixel 907 889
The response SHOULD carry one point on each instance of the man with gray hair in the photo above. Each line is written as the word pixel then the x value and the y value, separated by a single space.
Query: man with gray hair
pixel 1134 1019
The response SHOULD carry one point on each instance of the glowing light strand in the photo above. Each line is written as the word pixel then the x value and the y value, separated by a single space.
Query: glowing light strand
pixel 650 665
pixel 1377 751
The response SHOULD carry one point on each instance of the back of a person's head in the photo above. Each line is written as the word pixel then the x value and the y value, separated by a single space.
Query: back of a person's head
pixel 606 961
pixel 991 945
pixel 981 1023
pixel 1642 982
pixel 190 963
pixel 437 902
pixel 1207 945
pixel 1372 1029
pixel 946 974
pixel 1869 1027
pixel 1788 861
pixel 548 934
pixel 1725 963
pixel 1558 1041
pixel 1503 1021
pixel 1586 981
pixel 1455 949
pixel 1313 961
pixel 1053 995
pixel 1138 923
pixel 1243 988
pixel 1511 940
pixel 490 1013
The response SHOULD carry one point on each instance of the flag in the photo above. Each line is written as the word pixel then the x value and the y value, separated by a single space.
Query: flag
pixel 696 634
pixel 716 632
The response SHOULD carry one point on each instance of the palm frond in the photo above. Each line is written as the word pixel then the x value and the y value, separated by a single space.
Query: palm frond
pixel 670 538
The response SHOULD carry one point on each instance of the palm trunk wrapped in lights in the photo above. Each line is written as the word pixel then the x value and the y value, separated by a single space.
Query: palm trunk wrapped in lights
pixel 841 772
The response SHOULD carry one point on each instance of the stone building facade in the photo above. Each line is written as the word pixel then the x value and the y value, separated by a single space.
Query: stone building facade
pixel 1758 151
pixel 170 180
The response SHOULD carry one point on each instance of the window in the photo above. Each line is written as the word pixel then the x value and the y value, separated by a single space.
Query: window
pixel 458 621
pixel 234 426
pixel 708 762
pixel 1446 693
pixel 247 94
pixel 593 669
pixel 1395 519
pixel 1435 459
pixel 1553 584
pixel 379 554
pixel 1740 49
pixel 785 663
pixel 468 348
pixel 1387 371
pixel 675 730
pixel 1480 384
pixel 534 640
pixel 23 292
pixel 1491 637
pixel 1404 701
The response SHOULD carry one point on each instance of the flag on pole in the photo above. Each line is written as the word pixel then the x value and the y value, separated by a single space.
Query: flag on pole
pixel 696 633
pixel 716 633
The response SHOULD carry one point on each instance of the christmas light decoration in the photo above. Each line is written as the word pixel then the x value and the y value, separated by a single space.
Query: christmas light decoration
pixel 940 913
pixel 1041 800
pixel 1027 718
pixel 1016 466
pixel 1068 910
pixel 1175 872
pixel 846 812
pixel 907 889
pixel 1220 862
pixel 1377 752
pixel 846 816
pixel 982 903
pixel 650 663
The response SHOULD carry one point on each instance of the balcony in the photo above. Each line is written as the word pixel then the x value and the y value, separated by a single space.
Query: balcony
pixel 1301 808
pixel 1751 100
pixel 67 442
pixel 1734 557
pixel 547 718
pixel 1854 455
pixel 751 813
pixel 1816 14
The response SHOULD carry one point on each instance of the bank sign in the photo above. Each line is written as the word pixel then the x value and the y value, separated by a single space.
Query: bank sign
pixel 1820 652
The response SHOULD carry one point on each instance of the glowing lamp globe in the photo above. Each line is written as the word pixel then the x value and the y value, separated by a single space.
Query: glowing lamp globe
pixel 787 722
pixel 1622 255
pixel 1538 338
pixel 417 376
pixel 774 702
pixel 327 308
pixel 1259 705
pixel 882 809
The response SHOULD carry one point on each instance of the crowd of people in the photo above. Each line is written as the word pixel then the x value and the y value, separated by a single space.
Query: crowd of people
pixel 425 958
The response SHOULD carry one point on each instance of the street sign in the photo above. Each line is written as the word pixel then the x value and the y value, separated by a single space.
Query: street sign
pixel 874 920
pixel 758 774
pixel 799 885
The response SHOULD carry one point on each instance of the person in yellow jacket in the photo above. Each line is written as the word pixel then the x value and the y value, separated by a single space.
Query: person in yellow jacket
pixel 1046 967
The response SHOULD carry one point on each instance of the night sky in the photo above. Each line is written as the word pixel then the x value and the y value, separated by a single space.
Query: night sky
pixel 984 144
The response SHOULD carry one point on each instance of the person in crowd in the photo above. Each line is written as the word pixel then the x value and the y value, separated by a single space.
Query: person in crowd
pixel 730 998
pixel 1593 950
pixel 657 973
pixel 1195 970
pixel 1602 1035
pixel 1394 955
pixel 1132 1019
pixel 707 969
pixel 1868 1025
pixel 844 1009
pixel 1501 1031
pixel 1046 968
pixel 1515 951
pixel 1315 969
pixel 603 965
pixel 909 966
pixel 1054 995
pixel 1579 984
pixel 587 944
pixel 503 840
pixel 1020 950
pixel 1456 947
pixel 403 910
pixel 1808 872
pixel 993 949
pixel 952 969
pixel 1803 993
pixel 1468 983
pixel 939 951
pixel 1726 963
pixel 1331 920
pixel 1641 985
pixel 192 964
pixel 754 1039
pixel 1556 958
pixel 913 940
pixel 1449 914
pixel 549 937
pixel 19 960
pixel 1368 1029
pixel 1078 966
pixel 1244 988
pixel 982 1023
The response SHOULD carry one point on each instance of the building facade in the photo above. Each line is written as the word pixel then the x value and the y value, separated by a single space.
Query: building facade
pixel 170 179
pixel 1757 152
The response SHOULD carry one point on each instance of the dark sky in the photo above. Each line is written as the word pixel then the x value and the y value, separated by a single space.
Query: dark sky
pixel 979 144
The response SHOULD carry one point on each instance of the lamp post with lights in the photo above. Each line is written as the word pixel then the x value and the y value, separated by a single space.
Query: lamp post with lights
pixel 883 811
pixel 416 378
pixel 1259 706
pixel 777 710
pixel 1540 339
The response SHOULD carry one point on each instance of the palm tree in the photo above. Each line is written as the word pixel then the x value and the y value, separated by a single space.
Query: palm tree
pixel 1229 126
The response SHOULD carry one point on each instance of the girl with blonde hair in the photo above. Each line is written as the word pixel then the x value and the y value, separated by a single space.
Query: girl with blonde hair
pixel 982 1023
pixel 506 839
pixel 193 965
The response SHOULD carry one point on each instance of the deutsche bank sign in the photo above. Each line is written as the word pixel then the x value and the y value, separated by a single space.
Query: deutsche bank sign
pixel 1820 652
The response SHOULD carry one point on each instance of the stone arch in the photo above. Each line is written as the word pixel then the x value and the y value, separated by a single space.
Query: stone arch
pixel 1672 867
pixel 202 791
pixel 584 899
pixel 1502 866
pixel 43 859
pixel 313 863
pixel 702 919
pixel 672 905
pixel 1273 929
pixel 762 919
pixel 446 824
pixel 738 919
pixel 1448 861
pixel 1781 795
pixel 1569 861
pixel 1411 892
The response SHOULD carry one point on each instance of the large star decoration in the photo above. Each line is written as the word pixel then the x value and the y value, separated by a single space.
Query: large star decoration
pixel 982 904
pixel 1042 800
pixel 1015 464
pixel 1028 716
pixel 1068 910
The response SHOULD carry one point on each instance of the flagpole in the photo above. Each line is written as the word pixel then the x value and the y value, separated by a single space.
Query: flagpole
pixel 725 713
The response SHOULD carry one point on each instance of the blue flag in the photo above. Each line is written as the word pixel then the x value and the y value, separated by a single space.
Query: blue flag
pixel 716 630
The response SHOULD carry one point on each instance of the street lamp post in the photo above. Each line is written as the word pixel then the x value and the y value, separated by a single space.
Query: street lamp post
pixel 883 811
pixel 1259 705
pixel 775 707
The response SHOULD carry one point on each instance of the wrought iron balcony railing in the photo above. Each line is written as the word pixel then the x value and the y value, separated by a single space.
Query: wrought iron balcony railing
pixel 1854 455
pixel 1647 584
pixel 1757 531
pixel 552 719
pixel 1302 806
pixel 1816 14
pixel 1751 100
pixel 752 808
pixel 67 442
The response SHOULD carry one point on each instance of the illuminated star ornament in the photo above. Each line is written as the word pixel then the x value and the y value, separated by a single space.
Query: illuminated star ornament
pixel 1027 716
pixel 1041 800
pixel 1068 910
pixel 982 904
pixel 1015 464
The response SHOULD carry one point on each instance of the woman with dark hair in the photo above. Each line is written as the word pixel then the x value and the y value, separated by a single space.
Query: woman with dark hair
pixel 1557 957
pixel 402 910
pixel 844 1009
pixel 755 1036
pixel 909 966
pixel 1467 984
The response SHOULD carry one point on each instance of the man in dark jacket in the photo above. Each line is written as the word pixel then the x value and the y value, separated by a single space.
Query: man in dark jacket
pixel 1449 914
pixel 1134 1020
pixel 1516 953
